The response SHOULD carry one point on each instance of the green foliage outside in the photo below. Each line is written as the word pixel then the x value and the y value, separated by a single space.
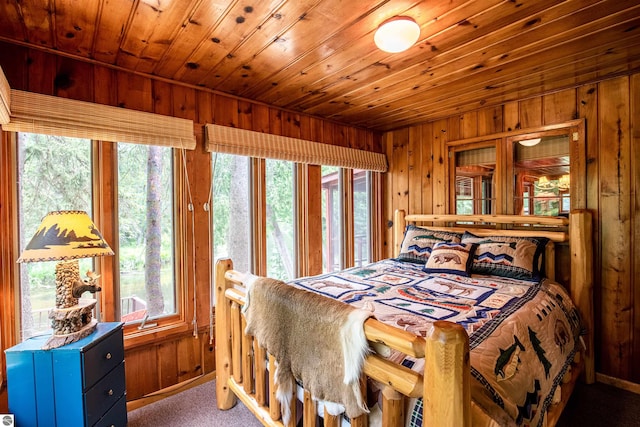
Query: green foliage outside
pixel 280 219
pixel 132 223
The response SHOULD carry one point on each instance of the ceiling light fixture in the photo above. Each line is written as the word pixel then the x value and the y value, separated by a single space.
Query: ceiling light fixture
pixel 530 142
pixel 397 34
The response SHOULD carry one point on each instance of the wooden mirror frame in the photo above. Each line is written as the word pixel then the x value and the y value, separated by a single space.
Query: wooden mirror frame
pixel 503 142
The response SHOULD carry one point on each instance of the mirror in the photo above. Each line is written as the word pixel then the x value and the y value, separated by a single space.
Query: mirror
pixel 474 180
pixel 535 171
pixel 541 175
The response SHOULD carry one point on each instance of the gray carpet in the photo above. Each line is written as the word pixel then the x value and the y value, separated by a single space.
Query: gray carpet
pixel 589 406
pixel 195 407
pixel 601 405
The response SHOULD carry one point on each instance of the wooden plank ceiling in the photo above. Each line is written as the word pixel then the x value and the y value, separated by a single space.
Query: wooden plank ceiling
pixel 318 56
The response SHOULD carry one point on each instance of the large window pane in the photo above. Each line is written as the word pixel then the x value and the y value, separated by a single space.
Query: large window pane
pixel 331 219
pixel 54 173
pixel 280 219
pixel 362 217
pixel 146 231
pixel 231 210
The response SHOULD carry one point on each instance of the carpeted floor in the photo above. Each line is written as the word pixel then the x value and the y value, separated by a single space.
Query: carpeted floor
pixel 601 405
pixel 195 407
pixel 589 406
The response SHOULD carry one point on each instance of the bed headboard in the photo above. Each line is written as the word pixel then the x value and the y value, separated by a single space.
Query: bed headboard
pixel 576 230
pixel 556 229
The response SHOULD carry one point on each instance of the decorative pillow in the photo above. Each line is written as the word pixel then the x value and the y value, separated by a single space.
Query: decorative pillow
pixel 451 257
pixel 419 241
pixel 515 257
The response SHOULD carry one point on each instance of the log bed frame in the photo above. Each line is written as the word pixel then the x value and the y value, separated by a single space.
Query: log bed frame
pixel 241 363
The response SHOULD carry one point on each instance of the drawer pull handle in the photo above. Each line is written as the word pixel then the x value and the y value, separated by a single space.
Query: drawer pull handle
pixel 108 356
pixel 110 393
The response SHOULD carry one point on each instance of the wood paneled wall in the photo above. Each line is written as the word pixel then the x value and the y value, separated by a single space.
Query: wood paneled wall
pixel 416 182
pixel 167 360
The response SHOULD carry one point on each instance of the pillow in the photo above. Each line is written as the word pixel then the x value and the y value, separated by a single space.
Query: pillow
pixel 419 241
pixel 505 256
pixel 451 257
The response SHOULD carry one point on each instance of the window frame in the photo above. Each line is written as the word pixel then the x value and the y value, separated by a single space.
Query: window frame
pixel 13 151
pixel 184 298
pixel 577 161
pixel 105 217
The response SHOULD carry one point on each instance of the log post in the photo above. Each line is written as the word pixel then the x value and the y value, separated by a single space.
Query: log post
pixel 399 224
pixel 331 420
pixel 581 244
pixel 392 408
pixel 261 372
pixel 236 342
pixel 224 396
pixel 247 359
pixel 274 404
pixel 447 395
pixel 310 411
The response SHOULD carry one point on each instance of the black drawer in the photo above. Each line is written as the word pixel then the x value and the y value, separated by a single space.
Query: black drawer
pixel 117 415
pixel 102 396
pixel 102 358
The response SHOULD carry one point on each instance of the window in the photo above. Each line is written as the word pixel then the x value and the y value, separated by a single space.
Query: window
pixel 54 173
pixel 146 231
pixel 338 210
pixel 280 216
pixel 362 217
pixel 331 219
pixel 231 210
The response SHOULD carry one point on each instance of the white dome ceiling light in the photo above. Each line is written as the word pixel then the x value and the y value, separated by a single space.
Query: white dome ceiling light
pixel 530 142
pixel 397 34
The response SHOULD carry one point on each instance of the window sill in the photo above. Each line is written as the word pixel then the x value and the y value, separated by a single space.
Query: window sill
pixel 134 337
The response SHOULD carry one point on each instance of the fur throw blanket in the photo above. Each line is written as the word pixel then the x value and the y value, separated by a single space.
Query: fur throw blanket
pixel 314 339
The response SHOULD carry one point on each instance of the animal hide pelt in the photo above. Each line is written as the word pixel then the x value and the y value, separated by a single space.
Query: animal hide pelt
pixel 314 339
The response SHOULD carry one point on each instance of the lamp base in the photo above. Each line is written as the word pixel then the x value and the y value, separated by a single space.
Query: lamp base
pixel 56 341
pixel 71 324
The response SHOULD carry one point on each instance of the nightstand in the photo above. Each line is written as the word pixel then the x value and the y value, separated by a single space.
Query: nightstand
pixel 79 384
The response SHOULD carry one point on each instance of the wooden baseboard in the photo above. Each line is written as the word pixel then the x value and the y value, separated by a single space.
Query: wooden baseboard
pixel 616 382
pixel 170 391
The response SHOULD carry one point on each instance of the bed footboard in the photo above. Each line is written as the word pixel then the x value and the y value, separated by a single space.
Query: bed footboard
pixel 243 373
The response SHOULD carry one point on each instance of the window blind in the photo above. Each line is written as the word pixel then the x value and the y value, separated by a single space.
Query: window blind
pixel 51 115
pixel 5 99
pixel 243 142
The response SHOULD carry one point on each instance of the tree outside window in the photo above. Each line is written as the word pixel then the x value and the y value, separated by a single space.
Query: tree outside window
pixel 280 219
pixel 146 231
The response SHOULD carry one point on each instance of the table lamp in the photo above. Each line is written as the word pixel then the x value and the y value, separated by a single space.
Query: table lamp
pixel 67 236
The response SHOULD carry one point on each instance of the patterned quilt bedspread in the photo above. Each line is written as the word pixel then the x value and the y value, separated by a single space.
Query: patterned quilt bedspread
pixel 523 335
